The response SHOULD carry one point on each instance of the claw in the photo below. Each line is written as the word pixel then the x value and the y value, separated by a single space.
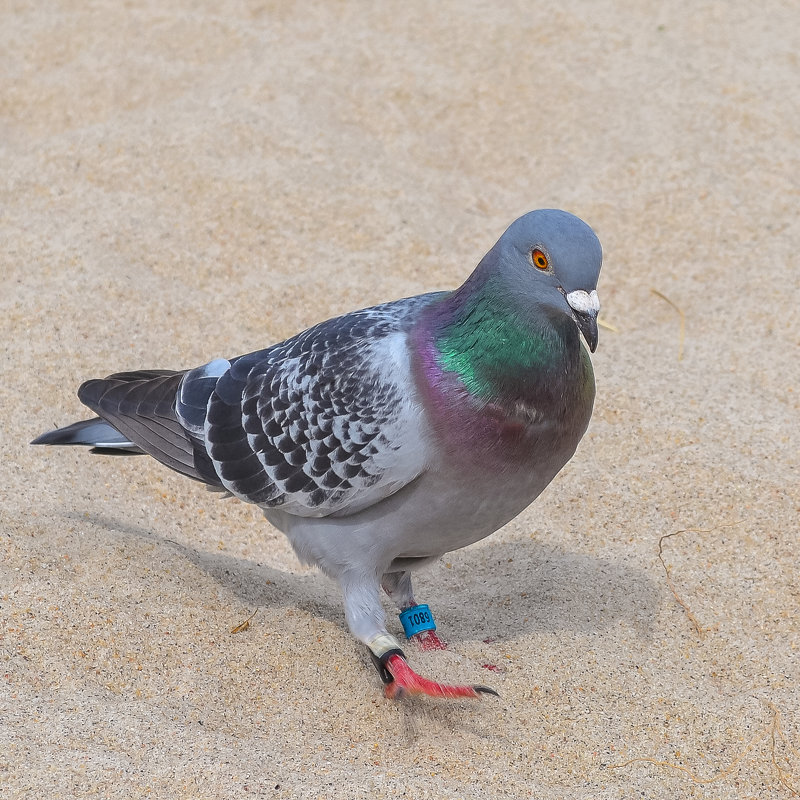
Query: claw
pixel 404 681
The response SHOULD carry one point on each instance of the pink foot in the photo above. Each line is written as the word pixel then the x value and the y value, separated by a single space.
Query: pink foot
pixel 407 682
pixel 428 640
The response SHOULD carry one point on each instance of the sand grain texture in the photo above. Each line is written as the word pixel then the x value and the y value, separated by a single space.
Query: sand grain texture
pixel 201 179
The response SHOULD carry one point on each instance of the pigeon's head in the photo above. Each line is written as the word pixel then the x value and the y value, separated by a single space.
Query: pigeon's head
pixel 553 258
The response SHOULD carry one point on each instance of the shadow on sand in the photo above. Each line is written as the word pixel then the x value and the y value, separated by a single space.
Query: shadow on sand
pixel 493 589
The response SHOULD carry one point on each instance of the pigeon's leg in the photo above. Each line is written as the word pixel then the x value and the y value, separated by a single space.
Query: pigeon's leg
pixel 398 586
pixel 366 620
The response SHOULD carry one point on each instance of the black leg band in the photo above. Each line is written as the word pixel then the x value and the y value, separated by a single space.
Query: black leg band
pixel 380 663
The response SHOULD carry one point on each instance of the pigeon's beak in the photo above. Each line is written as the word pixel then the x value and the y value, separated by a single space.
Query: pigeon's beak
pixel 585 306
pixel 588 326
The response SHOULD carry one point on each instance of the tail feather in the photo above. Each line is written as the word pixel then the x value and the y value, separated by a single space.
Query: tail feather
pixel 93 432
pixel 136 414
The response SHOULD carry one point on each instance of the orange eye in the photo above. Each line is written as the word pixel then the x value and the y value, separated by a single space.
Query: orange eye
pixel 539 259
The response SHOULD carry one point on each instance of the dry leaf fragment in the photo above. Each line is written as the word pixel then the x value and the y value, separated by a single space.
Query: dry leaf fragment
pixel 243 626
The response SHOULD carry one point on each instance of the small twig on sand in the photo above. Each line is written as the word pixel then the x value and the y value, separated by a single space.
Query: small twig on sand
pixel 683 320
pixel 694 778
pixel 681 602
pixel 773 731
pixel 777 731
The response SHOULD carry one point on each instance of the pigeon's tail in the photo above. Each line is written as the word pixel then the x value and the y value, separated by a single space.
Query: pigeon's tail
pixel 95 433
pixel 136 414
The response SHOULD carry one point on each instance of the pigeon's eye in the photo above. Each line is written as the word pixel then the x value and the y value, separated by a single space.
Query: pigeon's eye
pixel 539 259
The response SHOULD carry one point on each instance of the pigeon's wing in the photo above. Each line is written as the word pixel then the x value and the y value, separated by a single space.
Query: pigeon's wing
pixel 327 422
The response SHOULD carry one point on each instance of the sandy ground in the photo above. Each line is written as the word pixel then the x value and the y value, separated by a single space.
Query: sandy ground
pixel 192 180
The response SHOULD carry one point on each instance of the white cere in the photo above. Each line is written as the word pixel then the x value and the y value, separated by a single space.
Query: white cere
pixel 584 302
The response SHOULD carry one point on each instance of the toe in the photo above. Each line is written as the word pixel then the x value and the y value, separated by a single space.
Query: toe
pixel 428 640
pixel 407 682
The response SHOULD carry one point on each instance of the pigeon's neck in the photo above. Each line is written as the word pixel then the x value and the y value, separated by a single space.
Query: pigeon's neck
pixel 499 350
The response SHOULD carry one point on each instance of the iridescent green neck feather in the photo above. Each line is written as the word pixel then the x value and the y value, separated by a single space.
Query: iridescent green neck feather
pixel 491 346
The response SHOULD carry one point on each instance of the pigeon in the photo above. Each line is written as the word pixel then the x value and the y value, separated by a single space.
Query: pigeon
pixel 379 440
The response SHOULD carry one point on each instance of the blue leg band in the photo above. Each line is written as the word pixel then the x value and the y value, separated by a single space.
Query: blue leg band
pixel 417 619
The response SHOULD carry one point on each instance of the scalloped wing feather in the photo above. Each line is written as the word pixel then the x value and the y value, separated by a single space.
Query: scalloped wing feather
pixel 324 423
